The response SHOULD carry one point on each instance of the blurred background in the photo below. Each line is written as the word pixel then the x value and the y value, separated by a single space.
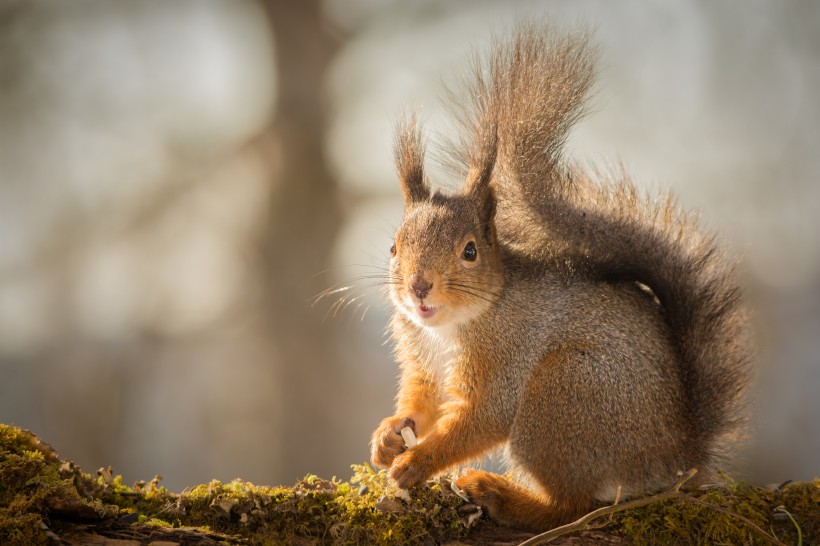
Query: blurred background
pixel 179 179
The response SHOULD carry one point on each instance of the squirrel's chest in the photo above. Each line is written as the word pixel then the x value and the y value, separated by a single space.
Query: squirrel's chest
pixel 440 350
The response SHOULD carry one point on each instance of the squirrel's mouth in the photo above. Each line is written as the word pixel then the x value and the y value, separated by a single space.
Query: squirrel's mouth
pixel 425 311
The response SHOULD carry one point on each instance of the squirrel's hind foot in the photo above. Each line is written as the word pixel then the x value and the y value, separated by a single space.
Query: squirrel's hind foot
pixel 508 503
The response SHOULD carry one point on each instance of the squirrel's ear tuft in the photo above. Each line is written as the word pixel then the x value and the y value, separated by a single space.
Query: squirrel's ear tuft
pixel 482 162
pixel 479 177
pixel 486 212
pixel 409 153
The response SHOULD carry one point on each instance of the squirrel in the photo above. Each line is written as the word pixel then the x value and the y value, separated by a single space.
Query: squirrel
pixel 599 336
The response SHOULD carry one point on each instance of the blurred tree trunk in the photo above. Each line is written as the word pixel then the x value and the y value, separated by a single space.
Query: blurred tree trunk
pixel 300 237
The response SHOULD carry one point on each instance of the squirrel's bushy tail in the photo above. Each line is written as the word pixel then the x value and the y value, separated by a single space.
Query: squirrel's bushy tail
pixel 524 102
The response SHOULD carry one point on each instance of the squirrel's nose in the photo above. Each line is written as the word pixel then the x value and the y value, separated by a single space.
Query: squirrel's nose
pixel 419 286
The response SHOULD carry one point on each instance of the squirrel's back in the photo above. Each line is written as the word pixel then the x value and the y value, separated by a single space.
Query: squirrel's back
pixel 596 226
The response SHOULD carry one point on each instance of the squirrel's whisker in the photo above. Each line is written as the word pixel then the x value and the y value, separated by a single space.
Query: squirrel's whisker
pixel 462 290
pixel 328 292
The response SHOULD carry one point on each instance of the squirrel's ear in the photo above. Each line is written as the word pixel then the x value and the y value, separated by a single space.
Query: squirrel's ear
pixel 482 162
pixel 409 153
pixel 486 212
pixel 479 177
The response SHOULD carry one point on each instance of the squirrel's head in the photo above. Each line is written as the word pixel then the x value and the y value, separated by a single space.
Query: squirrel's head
pixel 445 267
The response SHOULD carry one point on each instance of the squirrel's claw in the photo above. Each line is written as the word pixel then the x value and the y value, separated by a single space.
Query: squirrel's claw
pixel 411 468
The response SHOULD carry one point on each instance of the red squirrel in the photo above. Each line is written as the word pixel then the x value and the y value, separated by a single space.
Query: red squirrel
pixel 600 336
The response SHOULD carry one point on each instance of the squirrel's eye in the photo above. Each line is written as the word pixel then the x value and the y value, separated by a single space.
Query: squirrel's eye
pixel 470 253
pixel 393 250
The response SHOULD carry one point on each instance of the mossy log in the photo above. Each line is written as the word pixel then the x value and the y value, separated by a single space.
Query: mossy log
pixel 48 500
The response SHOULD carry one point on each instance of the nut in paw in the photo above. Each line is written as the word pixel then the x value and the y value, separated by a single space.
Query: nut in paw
pixel 387 441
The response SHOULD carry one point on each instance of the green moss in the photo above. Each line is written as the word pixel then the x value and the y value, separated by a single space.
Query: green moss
pixel 802 501
pixel 152 522
pixel 683 522
pixel 30 486
pixel 329 511
pixel 36 487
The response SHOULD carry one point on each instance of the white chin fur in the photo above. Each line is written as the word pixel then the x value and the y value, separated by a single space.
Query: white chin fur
pixel 445 316
pixel 437 320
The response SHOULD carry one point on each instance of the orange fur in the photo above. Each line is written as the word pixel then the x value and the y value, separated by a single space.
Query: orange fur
pixel 510 504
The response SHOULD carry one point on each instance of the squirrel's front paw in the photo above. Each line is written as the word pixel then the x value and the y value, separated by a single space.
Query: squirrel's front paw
pixel 387 441
pixel 411 467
